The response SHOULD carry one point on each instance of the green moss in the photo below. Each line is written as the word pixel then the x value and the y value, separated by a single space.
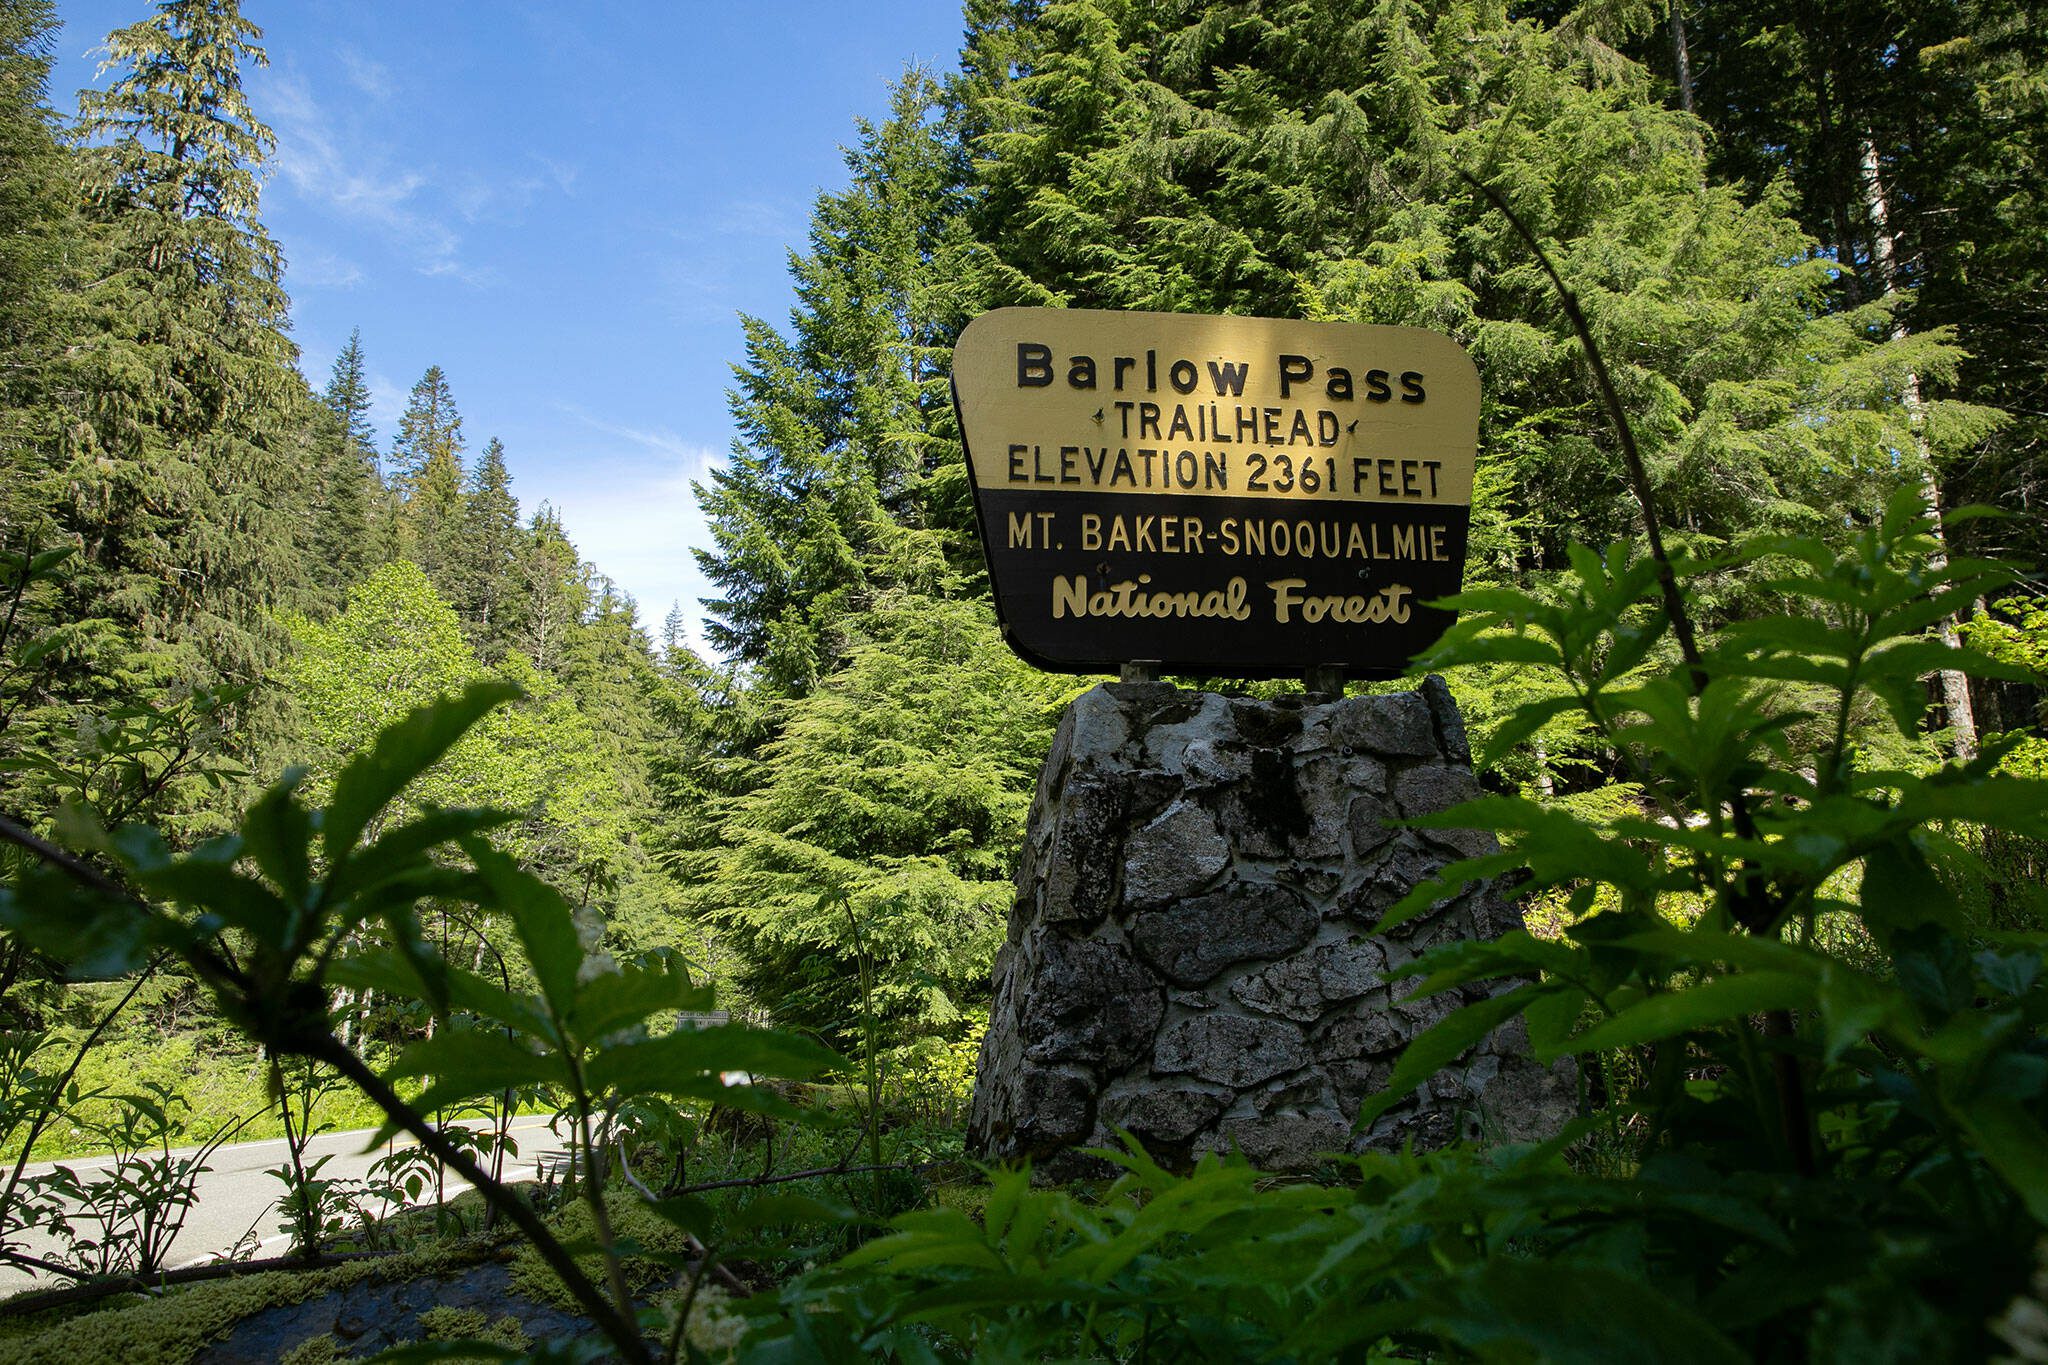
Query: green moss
pixel 470 1324
pixel 506 1331
pixel 320 1350
pixel 171 1330
pixel 166 1331
pixel 631 1222
pixel 452 1324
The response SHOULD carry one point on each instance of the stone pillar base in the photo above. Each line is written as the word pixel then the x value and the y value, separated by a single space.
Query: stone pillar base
pixel 1190 956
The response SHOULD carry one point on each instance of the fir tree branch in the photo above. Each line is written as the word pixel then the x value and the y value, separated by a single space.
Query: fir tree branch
pixel 1632 459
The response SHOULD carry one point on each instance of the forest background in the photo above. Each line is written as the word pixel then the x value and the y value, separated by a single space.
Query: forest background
pixel 1810 238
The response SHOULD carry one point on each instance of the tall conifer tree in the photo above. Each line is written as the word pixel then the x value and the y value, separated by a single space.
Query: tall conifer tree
pixel 189 474
pixel 348 397
pixel 37 223
pixel 38 230
pixel 486 569
pixel 845 448
pixel 675 631
pixel 345 533
pixel 426 474
pixel 553 593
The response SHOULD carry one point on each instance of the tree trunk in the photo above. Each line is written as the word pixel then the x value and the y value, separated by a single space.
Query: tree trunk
pixel 1830 165
pixel 343 1015
pixel 1955 687
pixel 1681 56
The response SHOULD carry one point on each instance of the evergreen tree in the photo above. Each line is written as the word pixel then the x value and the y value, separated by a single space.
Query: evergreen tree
pixel 348 398
pixel 846 427
pixel 486 571
pixel 37 225
pixel 188 477
pixel 426 475
pixel 1904 131
pixel 891 800
pixel 553 592
pixel 345 533
pixel 675 631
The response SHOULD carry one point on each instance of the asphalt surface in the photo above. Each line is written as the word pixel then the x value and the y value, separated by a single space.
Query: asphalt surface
pixel 238 1198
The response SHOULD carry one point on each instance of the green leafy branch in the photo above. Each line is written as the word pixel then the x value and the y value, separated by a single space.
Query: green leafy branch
pixel 267 919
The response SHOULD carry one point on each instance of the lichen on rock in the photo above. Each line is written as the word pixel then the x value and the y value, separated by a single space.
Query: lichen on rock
pixel 1194 959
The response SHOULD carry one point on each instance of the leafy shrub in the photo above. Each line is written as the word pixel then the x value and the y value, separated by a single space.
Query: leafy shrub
pixel 1829 1155
pixel 1824 1132
pixel 268 920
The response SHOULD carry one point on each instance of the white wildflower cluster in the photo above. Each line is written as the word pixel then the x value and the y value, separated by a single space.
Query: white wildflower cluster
pixel 714 1328
pixel 2024 1324
pixel 590 935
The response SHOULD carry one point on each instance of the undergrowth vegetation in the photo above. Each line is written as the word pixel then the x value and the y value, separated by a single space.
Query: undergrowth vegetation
pixel 1786 916
pixel 1817 1133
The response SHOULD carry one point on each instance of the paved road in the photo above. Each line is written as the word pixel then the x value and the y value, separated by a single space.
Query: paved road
pixel 237 1194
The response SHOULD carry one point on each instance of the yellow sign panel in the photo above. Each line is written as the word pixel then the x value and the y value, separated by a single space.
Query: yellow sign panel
pixel 1248 496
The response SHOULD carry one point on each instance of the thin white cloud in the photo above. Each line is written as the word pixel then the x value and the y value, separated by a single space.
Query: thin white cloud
pixel 659 441
pixel 503 195
pixel 456 270
pixel 319 269
pixel 695 277
pixel 695 288
pixel 561 172
pixel 320 162
pixel 782 222
pixel 372 78
pixel 414 209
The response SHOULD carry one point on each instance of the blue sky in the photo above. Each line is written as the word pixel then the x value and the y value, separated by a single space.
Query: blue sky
pixel 564 205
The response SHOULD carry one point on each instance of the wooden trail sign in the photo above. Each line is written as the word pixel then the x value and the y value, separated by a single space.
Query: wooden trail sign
pixel 1247 497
